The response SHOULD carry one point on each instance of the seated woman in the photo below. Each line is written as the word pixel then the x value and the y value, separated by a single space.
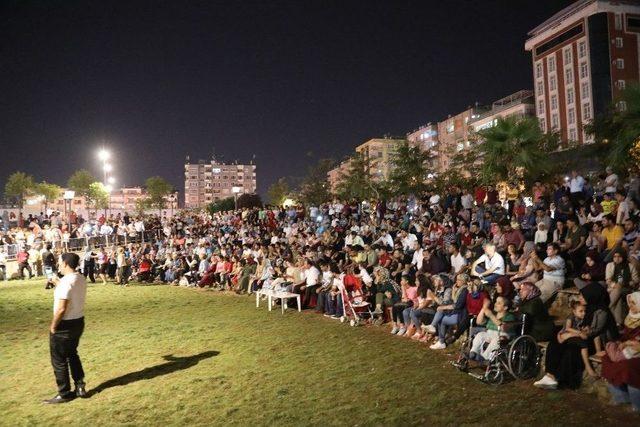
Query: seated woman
pixel 409 299
pixel 538 323
pixel 575 330
pixel 526 267
pixel 485 342
pixel 505 288
pixel 563 359
pixel 621 364
pixel 417 315
pixel 451 314
pixel 512 260
pixel 476 299
pixel 592 271
pixel 621 277
pixel 387 292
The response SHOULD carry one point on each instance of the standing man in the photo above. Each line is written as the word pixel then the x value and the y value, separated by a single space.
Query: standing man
pixel 66 329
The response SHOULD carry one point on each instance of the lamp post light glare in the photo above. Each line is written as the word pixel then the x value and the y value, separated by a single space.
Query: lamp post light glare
pixel 103 155
pixel 111 180
pixel 107 167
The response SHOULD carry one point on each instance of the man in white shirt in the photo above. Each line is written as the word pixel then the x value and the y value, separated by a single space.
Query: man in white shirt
pixel 576 185
pixel 66 329
pixel 311 277
pixel 408 240
pixel 458 261
pixel 553 268
pixel 493 265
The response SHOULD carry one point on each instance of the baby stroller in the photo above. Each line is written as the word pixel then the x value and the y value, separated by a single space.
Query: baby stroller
pixel 354 305
pixel 517 355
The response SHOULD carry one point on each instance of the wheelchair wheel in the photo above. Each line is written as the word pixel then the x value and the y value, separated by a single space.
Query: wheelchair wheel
pixel 494 375
pixel 523 357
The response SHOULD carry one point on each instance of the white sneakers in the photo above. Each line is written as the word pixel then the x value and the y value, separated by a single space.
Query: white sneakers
pixel 431 329
pixel 402 331
pixel 438 346
pixel 395 330
pixel 547 382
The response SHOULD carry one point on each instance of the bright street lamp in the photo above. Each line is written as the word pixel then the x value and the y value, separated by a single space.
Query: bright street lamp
pixel 107 167
pixel 109 188
pixel 103 155
pixel 111 180
pixel 68 197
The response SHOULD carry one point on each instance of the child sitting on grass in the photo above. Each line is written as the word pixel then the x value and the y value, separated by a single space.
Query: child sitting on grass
pixel 576 331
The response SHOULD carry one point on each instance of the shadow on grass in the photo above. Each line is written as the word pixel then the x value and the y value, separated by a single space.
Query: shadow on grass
pixel 173 364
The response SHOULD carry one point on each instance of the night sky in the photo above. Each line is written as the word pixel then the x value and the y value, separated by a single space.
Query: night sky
pixel 159 80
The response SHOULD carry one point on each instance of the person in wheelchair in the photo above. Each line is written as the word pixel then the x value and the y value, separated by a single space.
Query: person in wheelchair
pixel 497 326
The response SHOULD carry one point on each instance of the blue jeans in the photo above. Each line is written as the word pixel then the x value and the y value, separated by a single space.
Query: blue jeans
pixel 625 394
pixel 491 278
pixel 441 321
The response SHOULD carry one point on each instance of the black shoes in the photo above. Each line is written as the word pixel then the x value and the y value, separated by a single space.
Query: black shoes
pixel 59 399
pixel 81 390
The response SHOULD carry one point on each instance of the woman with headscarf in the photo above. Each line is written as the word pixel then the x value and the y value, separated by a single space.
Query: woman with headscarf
pixel 563 361
pixel 621 277
pixel 621 364
pixel 538 323
pixel 592 271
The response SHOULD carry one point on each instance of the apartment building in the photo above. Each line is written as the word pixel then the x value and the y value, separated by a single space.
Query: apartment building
pixel 582 58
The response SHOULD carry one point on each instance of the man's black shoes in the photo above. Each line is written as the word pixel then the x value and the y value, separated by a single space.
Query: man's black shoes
pixel 59 399
pixel 81 390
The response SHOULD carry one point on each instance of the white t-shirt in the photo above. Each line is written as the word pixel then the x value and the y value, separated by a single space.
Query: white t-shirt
pixel 556 262
pixel 457 262
pixel 495 261
pixel 73 288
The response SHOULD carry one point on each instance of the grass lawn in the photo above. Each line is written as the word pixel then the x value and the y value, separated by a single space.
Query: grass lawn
pixel 161 355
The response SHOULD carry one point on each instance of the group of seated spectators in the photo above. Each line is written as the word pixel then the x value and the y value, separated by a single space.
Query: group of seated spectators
pixel 428 264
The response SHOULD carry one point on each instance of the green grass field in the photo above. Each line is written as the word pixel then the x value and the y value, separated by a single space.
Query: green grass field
pixel 231 363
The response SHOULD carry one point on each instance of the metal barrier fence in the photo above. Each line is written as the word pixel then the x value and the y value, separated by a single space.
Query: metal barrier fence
pixel 78 244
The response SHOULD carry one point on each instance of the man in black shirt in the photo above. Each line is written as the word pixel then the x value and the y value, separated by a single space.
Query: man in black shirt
pixel 49 266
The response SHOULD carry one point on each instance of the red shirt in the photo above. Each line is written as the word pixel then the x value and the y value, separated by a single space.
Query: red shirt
pixel 384 258
pixel 480 195
pixel 23 256
pixel 474 305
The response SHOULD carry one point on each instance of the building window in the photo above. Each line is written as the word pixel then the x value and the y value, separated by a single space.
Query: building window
pixel 571 116
pixel 540 107
pixel 543 125
pixel 567 55
pixel 573 135
pixel 568 76
pixel 570 95
pixel 554 122
pixel 621 84
pixel 538 70
pixel 620 64
pixel 553 84
pixel 551 63
pixel 618 21
pixel 584 71
pixel 554 102
pixel 621 105
pixel 586 111
pixel 584 90
pixel 582 49
pixel 540 88
pixel 619 42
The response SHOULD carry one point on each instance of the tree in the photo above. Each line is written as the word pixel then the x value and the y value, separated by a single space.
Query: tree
pixel 80 182
pixel 409 169
pixel 356 183
pixel 157 190
pixel 619 130
pixel 249 201
pixel 278 192
pixel 314 189
pixel 222 205
pixel 512 150
pixel 48 191
pixel 18 186
pixel 97 196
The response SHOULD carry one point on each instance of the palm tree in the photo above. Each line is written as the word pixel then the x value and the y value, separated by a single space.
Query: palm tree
pixel 512 150
pixel 619 129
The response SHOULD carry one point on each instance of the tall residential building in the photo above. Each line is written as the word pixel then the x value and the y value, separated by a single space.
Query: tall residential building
pixel 379 154
pixel 453 135
pixel 426 138
pixel 209 181
pixel 583 56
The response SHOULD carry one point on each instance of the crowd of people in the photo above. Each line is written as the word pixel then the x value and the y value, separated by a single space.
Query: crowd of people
pixel 428 264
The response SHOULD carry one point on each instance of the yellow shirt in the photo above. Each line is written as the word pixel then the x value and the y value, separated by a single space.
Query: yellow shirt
pixel 608 206
pixel 613 235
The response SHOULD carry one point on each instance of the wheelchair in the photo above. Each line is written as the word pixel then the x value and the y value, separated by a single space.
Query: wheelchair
pixel 517 356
